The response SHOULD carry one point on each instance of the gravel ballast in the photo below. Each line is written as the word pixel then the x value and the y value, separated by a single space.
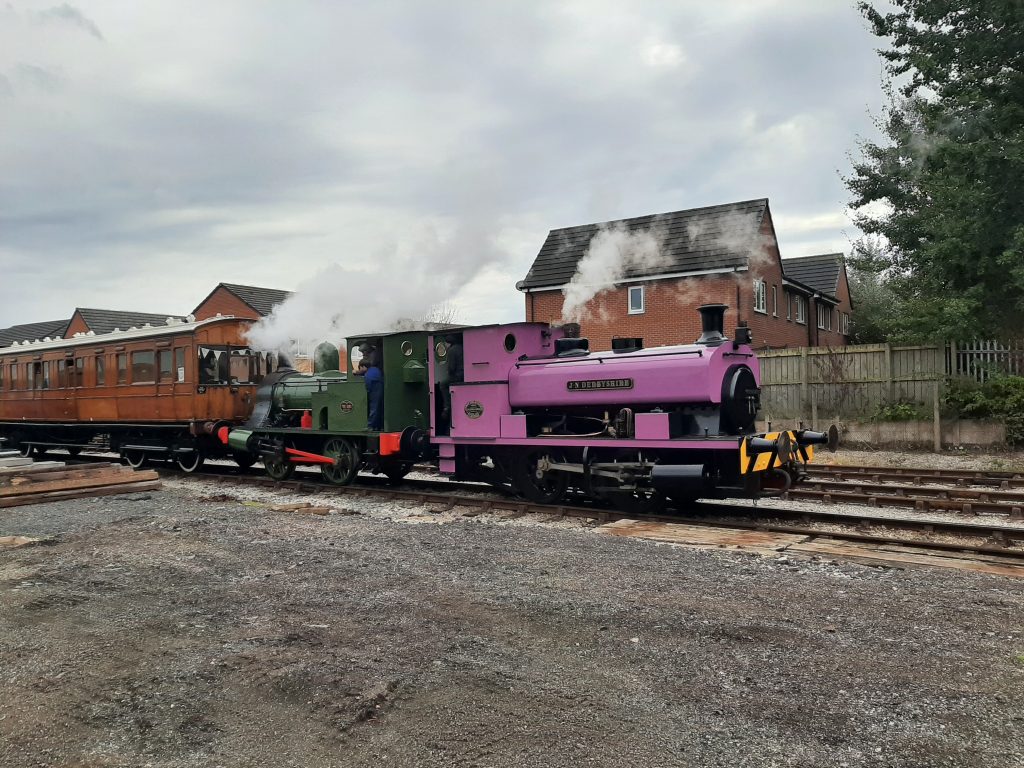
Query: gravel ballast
pixel 186 628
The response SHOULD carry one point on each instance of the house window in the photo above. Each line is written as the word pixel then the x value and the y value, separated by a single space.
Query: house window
pixel 846 324
pixel 822 316
pixel 775 301
pixel 760 300
pixel 789 305
pixel 636 300
pixel 801 309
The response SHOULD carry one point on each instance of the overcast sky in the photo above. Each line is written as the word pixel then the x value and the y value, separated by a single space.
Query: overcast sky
pixel 151 150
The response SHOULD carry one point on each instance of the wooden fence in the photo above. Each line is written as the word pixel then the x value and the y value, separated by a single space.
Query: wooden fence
pixel 854 382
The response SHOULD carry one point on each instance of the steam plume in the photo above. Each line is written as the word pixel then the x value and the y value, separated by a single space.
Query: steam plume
pixel 612 252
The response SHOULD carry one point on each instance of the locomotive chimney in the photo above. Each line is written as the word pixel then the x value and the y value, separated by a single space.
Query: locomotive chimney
pixel 571 330
pixel 712 322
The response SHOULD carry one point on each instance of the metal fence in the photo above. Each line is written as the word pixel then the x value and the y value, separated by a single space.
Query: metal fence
pixel 854 382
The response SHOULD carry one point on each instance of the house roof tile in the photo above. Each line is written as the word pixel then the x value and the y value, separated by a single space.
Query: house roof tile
pixel 711 238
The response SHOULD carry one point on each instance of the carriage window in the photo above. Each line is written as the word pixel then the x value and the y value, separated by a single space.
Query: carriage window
pixel 143 367
pixel 213 366
pixel 241 366
pixel 79 371
pixel 41 371
pixel 62 374
pixel 164 357
pixel 179 364
pixel 122 368
pixel 101 372
pixel 14 375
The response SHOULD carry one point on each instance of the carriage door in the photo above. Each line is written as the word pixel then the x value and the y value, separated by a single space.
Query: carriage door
pixel 182 372
pixel 165 410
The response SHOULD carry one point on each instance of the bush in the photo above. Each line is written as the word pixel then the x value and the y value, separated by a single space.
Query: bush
pixel 901 410
pixel 999 398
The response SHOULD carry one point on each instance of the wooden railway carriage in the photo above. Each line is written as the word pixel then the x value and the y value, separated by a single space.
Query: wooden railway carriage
pixel 150 392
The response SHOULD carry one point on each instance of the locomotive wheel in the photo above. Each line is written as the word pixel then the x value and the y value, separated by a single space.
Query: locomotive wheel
pixel 683 502
pixel 278 469
pixel 395 472
pixel 190 462
pixel 135 459
pixel 243 460
pixel 346 458
pixel 634 501
pixel 542 488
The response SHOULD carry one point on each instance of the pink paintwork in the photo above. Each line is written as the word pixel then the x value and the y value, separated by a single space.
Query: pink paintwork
pixel 485 353
pixel 663 376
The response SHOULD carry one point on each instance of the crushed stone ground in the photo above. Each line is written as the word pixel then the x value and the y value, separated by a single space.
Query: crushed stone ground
pixel 188 627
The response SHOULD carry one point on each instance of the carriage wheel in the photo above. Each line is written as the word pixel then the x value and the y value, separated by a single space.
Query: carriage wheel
pixel 73 452
pixel 346 461
pixel 532 483
pixel 190 462
pixel 135 459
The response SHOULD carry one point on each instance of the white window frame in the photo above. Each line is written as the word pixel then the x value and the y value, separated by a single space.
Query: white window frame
pixel 846 324
pixel 643 299
pixel 789 305
pixel 801 309
pixel 760 297
pixel 775 301
pixel 823 310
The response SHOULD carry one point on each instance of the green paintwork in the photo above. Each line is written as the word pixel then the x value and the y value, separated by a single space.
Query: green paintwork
pixel 329 412
pixel 238 439
pixel 406 394
pixel 295 392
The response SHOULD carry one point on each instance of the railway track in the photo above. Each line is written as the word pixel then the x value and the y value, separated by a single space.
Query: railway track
pixel 918 476
pixel 989 547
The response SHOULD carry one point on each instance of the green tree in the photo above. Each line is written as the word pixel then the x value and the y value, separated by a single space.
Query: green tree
pixel 944 189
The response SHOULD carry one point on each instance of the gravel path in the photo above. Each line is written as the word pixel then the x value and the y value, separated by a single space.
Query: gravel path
pixel 197 630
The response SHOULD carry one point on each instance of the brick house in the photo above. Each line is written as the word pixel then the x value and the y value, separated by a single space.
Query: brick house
pixel 727 254
pixel 100 321
pixel 239 301
pixel 825 276
pixel 50 329
pixel 253 303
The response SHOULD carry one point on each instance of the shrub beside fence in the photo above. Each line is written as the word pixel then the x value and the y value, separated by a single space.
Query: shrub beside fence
pixel 876 382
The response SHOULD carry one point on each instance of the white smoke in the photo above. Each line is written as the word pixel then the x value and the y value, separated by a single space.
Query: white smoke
pixel 612 252
pixel 392 289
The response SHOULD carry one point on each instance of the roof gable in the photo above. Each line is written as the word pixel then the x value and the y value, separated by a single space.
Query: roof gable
pixel 33 331
pixel 106 320
pixel 718 237
pixel 820 272
pixel 263 300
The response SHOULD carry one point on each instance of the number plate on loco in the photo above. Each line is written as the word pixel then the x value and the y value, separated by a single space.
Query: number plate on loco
pixel 587 384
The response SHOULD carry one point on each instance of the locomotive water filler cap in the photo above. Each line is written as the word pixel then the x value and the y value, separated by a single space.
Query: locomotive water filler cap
pixel 712 323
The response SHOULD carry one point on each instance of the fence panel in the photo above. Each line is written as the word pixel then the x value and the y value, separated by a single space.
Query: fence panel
pixel 848 382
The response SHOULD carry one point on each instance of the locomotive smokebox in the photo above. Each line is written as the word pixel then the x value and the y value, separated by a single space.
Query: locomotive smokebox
pixel 712 322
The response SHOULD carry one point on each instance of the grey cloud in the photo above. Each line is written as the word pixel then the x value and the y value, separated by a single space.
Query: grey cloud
pixel 344 127
pixel 39 77
pixel 68 14
pixel 6 89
